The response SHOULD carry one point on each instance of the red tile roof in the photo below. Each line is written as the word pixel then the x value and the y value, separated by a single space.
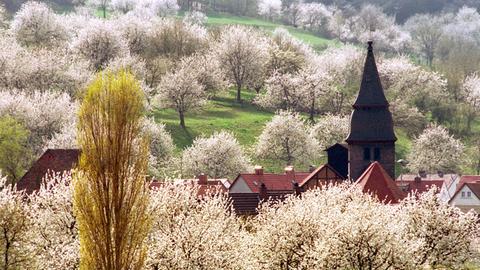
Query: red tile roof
pixel 419 187
pixel 375 180
pixel 273 182
pixel 278 186
pixel 474 187
pixel 53 160
pixel 469 179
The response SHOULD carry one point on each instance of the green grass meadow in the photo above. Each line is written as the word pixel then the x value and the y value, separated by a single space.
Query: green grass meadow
pixel 246 121
pixel 317 42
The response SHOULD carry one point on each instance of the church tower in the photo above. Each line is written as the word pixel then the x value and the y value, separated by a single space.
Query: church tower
pixel 371 135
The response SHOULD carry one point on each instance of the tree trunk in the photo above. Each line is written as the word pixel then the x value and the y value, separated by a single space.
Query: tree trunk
pixel 182 119
pixel 289 153
pixel 104 8
pixel 7 249
pixel 312 111
pixel 239 92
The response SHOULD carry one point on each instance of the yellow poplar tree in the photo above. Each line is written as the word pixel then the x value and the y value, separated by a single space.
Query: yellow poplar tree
pixel 110 192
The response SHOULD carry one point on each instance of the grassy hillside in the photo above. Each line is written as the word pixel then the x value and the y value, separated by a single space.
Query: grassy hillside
pixel 245 121
pixel 313 40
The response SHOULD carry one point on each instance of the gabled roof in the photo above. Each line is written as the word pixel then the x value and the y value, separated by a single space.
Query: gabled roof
pixel 273 182
pixel 371 90
pixel 469 179
pixel 375 180
pixel 277 187
pixel 337 145
pixel 473 186
pixel 330 175
pixel 53 160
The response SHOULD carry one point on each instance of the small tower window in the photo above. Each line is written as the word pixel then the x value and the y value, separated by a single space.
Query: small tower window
pixel 376 153
pixel 366 153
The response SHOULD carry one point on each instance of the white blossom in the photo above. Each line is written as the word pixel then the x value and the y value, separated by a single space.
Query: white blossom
pixel 188 233
pixel 439 230
pixel 315 16
pixel 15 224
pixel 471 89
pixel 269 8
pixel 195 17
pixel 330 129
pixel 162 8
pixel 286 138
pixel 181 91
pixel 435 150
pixel 39 112
pixel 161 145
pixel 54 234
pixel 242 55
pixel 217 156
pixel 36 25
pixel 124 5
pixel 99 43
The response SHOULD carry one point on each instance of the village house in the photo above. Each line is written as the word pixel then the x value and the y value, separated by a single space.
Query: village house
pixel 249 189
pixel 464 193
pixel 467 197
pixel 50 162
pixel 422 182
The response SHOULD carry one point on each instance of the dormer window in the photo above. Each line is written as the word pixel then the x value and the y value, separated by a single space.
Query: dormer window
pixel 469 194
pixel 463 194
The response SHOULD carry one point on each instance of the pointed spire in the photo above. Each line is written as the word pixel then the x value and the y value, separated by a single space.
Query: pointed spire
pixel 371 121
pixel 371 90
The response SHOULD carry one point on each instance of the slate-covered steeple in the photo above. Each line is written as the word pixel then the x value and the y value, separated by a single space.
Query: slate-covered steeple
pixel 371 121
pixel 372 137
pixel 371 90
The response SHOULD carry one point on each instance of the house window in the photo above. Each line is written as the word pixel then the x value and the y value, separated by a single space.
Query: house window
pixel 469 194
pixel 376 153
pixel 366 153
pixel 463 194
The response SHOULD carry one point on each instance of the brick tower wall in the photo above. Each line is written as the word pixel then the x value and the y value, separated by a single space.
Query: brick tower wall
pixel 357 164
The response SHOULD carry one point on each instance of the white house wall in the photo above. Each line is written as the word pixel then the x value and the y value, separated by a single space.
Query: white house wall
pixel 240 187
pixel 466 203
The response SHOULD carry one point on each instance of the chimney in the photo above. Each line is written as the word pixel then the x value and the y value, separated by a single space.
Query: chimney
pixel 440 173
pixel 296 188
pixel 417 179
pixel 258 170
pixel 290 172
pixel 311 168
pixel 202 179
pixel 263 192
